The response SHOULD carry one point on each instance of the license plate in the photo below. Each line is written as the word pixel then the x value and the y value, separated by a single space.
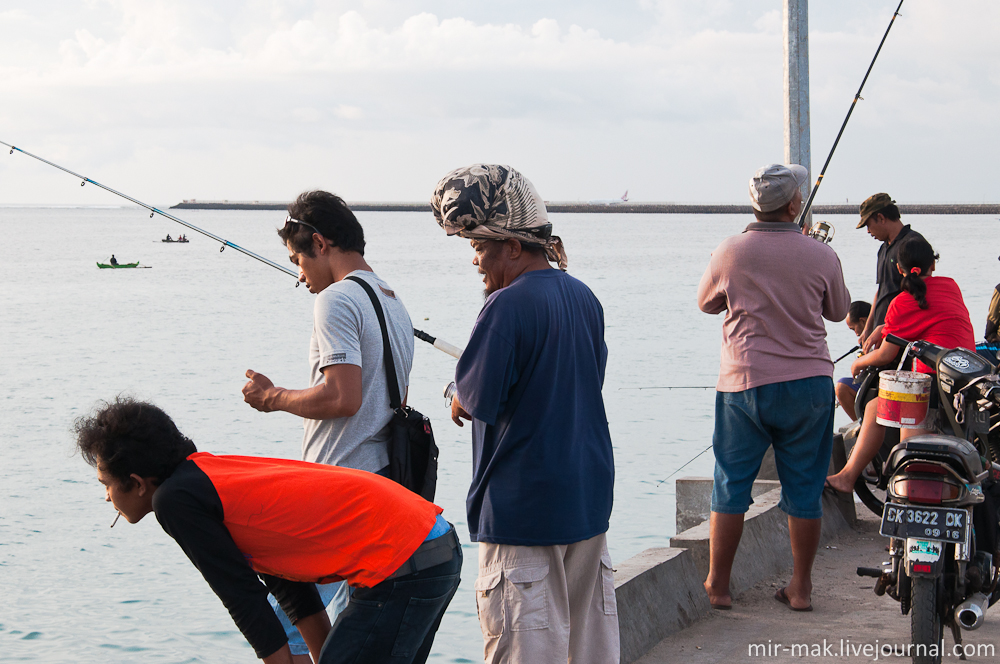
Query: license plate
pixel 940 524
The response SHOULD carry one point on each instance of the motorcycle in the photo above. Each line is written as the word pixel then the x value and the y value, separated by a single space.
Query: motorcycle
pixel 938 496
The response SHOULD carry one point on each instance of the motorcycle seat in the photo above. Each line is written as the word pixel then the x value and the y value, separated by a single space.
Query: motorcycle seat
pixel 959 454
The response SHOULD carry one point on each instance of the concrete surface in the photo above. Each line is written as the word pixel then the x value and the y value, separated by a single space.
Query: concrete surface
pixel 845 608
pixel 659 592
pixel 693 499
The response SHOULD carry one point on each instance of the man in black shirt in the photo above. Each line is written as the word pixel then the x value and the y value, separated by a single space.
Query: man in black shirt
pixel 880 216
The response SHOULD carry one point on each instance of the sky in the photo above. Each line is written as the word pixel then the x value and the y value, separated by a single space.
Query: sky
pixel 376 100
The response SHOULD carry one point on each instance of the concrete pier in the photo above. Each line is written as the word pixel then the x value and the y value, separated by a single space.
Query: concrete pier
pixel 664 615
pixel 660 590
pixel 849 623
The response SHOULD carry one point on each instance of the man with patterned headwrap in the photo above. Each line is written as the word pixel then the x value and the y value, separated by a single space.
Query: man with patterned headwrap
pixel 530 381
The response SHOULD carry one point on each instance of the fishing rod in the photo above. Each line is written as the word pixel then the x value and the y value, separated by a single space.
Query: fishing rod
pixel 671 387
pixel 419 334
pixel 805 210
pixel 153 210
pixel 441 345
pixel 856 348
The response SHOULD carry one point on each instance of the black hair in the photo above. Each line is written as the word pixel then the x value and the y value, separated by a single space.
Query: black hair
pixel 329 215
pixel 859 309
pixel 129 436
pixel 890 212
pixel 916 257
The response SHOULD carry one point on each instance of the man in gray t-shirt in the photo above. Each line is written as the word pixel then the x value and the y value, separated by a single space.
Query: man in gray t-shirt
pixel 345 409
pixel 346 406
pixel 346 331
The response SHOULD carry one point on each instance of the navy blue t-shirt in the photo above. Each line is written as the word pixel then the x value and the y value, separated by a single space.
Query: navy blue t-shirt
pixel 531 377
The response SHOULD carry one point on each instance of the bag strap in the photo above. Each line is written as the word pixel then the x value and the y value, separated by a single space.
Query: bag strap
pixel 390 366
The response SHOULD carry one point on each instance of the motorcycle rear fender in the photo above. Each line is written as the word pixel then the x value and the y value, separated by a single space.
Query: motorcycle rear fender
pixel 917 551
pixel 960 454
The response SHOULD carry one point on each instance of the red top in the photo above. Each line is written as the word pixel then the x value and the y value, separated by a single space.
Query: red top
pixel 310 522
pixel 944 322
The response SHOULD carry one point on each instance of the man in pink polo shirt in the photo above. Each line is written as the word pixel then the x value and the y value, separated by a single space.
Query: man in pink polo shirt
pixel 775 386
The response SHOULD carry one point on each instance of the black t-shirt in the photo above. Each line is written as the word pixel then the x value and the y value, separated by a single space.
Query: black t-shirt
pixel 889 278
pixel 189 510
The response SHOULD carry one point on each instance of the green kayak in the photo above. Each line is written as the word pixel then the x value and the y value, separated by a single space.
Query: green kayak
pixel 105 266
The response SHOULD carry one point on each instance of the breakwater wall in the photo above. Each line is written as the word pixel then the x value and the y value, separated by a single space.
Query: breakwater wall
pixel 596 208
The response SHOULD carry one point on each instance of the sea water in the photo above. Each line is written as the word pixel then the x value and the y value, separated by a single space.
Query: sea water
pixel 183 333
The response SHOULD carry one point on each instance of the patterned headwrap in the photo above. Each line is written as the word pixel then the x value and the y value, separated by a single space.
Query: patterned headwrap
pixel 493 202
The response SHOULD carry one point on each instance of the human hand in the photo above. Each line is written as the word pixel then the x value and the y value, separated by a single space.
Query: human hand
pixel 458 413
pixel 256 391
pixel 873 340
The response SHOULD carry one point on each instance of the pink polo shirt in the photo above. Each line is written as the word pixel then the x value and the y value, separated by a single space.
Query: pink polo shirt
pixel 776 287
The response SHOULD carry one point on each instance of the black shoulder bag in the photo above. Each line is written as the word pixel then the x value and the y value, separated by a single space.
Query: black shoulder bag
pixel 413 455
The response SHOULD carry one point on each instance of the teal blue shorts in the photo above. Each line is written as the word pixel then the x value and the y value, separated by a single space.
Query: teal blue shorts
pixel 796 419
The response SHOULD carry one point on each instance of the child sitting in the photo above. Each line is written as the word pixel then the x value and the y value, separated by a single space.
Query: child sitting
pixel 929 308
pixel 846 389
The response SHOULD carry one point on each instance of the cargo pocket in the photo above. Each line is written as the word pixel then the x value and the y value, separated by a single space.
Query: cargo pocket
pixel 608 585
pixel 527 599
pixel 489 603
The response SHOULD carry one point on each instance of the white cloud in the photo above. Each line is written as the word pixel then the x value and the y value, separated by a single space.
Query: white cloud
pixel 653 94
pixel 348 112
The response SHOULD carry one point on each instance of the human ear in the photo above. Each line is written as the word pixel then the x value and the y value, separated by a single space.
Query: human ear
pixel 514 246
pixel 141 482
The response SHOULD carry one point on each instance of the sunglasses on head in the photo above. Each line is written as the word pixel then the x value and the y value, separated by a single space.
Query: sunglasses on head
pixel 289 220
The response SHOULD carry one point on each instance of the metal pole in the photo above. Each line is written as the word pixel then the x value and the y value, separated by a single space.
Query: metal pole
pixel 797 139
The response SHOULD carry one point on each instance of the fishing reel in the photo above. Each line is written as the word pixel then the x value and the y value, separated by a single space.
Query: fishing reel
pixel 822 231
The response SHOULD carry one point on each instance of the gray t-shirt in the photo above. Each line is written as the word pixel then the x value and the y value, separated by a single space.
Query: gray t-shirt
pixel 346 331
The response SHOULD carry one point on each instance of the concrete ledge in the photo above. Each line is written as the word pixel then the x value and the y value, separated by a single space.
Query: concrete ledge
pixel 764 548
pixel 693 498
pixel 659 593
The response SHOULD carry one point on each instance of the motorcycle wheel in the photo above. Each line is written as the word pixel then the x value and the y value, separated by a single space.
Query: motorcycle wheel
pixel 867 485
pixel 867 488
pixel 925 621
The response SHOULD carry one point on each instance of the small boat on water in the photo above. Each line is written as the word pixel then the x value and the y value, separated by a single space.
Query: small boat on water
pixel 181 239
pixel 119 266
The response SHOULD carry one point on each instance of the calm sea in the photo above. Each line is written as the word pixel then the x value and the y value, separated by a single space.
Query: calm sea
pixel 183 333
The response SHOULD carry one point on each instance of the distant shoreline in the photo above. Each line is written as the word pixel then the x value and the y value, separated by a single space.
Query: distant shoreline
pixel 621 208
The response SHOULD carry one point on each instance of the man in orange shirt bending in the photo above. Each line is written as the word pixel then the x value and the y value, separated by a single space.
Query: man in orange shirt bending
pixel 253 525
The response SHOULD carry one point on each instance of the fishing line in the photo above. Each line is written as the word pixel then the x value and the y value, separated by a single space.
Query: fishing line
pixel 685 387
pixel 805 210
pixel 684 466
pixel 423 336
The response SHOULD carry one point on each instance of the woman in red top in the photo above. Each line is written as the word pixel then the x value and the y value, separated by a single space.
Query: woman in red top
pixel 929 308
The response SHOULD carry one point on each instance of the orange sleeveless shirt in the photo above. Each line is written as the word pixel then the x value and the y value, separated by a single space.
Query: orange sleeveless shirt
pixel 310 522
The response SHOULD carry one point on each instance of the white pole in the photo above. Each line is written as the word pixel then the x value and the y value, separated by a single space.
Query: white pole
pixel 797 140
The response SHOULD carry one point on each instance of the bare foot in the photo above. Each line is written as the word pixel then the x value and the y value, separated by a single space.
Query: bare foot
pixel 840 482
pixel 718 600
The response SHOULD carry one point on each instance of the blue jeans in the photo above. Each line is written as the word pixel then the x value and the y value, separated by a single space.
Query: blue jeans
pixel 796 418
pixel 396 620
pixel 334 597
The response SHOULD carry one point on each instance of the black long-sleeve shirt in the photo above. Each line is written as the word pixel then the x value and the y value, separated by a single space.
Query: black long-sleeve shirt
pixel 189 509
